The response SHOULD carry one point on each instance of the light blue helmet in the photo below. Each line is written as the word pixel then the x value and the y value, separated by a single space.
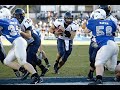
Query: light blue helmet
pixel 5 13
pixel 99 14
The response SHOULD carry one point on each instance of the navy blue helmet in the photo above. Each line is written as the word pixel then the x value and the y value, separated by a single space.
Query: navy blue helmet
pixel 68 17
pixel 107 9
pixel 19 14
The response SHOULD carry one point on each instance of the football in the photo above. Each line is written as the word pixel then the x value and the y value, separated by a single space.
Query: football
pixel 58 31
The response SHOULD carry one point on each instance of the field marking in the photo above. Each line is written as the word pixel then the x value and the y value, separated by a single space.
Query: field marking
pixel 58 81
pixel 66 83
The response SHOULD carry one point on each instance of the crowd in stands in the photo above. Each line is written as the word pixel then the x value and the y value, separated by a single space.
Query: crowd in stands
pixel 43 26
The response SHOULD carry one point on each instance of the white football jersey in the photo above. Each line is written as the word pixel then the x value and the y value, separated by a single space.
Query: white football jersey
pixel 72 27
pixel 27 22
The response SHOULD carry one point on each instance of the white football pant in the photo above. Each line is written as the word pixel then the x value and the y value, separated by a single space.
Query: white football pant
pixel 108 52
pixel 18 51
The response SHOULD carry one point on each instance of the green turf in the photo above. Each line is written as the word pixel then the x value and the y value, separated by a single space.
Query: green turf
pixel 76 65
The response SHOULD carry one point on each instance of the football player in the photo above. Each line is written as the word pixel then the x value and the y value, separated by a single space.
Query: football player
pixel 9 29
pixel 65 30
pixel 93 45
pixel 103 31
pixel 32 39
pixel 3 55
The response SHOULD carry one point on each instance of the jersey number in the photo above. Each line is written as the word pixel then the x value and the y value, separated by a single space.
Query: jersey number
pixel 107 32
pixel 13 30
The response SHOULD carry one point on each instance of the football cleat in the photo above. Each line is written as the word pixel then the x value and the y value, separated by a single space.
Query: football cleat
pixel 25 75
pixel 56 69
pixel 44 71
pixel 90 76
pixel 35 80
pixel 17 73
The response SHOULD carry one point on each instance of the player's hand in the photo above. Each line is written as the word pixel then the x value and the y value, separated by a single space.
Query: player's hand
pixel 58 32
pixel 61 28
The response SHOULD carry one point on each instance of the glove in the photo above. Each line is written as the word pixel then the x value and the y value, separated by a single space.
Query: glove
pixel 67 34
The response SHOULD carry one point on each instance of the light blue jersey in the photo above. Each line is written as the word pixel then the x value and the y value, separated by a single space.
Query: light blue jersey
pixel 9 29
pixel 102 29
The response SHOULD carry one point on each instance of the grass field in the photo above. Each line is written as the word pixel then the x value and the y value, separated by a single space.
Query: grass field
pixel 77 64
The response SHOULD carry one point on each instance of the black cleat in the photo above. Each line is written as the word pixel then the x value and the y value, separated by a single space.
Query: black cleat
pixel 25 75
pixel 44 71
pixel 17 73
pixel 56 71
pixel 97 82
pixel 56 68
pixel 35 80
pixel 90 76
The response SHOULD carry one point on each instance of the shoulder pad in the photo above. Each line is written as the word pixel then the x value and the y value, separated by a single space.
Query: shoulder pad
pixel 58 22
pixel 74 26
pixel 27 22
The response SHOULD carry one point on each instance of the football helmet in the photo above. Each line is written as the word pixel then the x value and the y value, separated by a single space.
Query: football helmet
pixel 19 14
pixel 107 9
pixel 68 17
pixel 99 14
pixel 5 13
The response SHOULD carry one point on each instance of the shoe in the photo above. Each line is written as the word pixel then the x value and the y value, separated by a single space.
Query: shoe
pixel 48 65
pixel 44 71
pixel 97 82
pixel 17 73
pixel 56 68
pixel 25 75
pixel 35 80
pixel 90 76
pixel 56 71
